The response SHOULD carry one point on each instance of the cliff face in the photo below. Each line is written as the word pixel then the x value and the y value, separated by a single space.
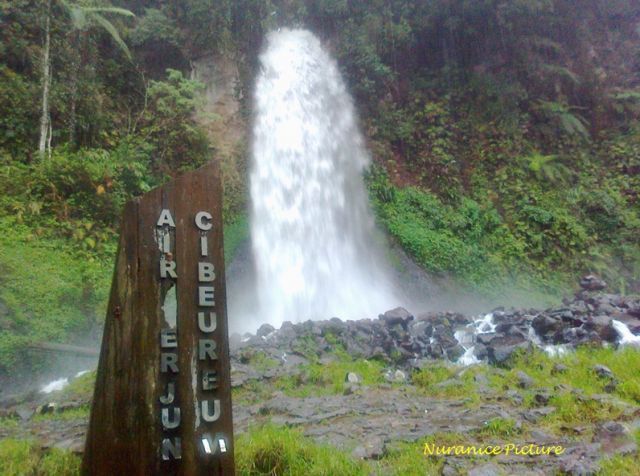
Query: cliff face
pixel 220 115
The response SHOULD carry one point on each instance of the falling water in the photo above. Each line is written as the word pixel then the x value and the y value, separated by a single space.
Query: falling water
pixel 313 233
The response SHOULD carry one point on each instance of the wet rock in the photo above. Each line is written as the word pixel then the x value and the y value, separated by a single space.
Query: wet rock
pixel 615 438
pixel 399 315
pixel 264 330
pixel 602 325
pixel 581 460
pixel 333 326
pixel 397 376
pixel 515 397
pixel 485 339
pixel 559 369
pixel 544 324
pixel 480 351
pixel 542 398
pixel 536 414
pixel 501 348
pixel 352 377
pixel 371 449
pixel 524 381
pixel 46 408
pixel 611 386
pixel 592 283
pixel 455 352
pixel 487 469
pixel 603 371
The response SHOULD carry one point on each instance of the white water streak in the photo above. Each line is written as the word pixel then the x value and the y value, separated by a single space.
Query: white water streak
pixel 626 336
pixel 55 385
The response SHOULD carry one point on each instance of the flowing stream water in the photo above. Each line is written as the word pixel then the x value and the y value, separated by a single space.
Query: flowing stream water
pixel 315 247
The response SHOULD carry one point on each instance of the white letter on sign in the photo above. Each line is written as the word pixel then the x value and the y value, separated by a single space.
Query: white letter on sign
pixel 168 268
pixel 213 322
pixel 205 296
pixel 166 219
pixel 206 273
pixel 201 223
pixel 206 410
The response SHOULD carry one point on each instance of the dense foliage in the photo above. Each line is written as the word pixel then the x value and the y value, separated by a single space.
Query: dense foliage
pixel 505 133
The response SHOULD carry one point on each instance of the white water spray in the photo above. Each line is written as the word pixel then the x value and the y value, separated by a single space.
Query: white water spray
pixel 312 230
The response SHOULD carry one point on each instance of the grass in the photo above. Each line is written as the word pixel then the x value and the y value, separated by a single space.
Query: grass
pixel 81 387
pixel 571 391
pixel 279 451
pixel 329 378
pixel 624 363
pixel 408 458
pixel 444 380
pixel 500 428
pixel 9 423
pixel 311 379
pixel 24 458
pixel 71 414
pixel 258 359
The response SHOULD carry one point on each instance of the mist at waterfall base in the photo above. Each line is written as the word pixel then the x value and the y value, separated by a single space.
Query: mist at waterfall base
pixel 315 248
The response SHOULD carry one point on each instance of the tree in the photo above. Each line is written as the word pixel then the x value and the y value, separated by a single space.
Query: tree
pixel 85 15
pixel 46 82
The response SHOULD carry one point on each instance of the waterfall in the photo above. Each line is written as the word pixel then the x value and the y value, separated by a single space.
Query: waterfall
pixel 313 236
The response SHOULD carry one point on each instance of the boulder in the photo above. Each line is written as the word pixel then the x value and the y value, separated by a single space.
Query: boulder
pixel 544 324
pixel 592 283
pixel 399 315
pixel 603 371
pixel 501 348
pixel 264 330
pixel 524 381
pixel 352 377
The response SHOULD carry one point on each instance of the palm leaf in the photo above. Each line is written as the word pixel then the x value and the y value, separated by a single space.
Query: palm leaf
pixel 115 10
pixel 108 26
pixel 561 72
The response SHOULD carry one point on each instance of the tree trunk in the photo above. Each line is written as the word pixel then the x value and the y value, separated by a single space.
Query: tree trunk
pixel 75 74
pixel 46 83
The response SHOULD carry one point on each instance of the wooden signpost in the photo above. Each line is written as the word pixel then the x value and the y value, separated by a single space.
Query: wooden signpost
pixel 162 402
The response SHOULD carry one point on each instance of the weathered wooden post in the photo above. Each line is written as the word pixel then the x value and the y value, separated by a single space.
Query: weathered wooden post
pixel 162 402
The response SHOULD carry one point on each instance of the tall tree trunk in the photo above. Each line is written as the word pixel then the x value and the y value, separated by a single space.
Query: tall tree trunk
pixel 46 83
pixel 75 73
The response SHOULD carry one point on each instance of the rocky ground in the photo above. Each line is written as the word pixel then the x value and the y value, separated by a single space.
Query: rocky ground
pixel 368 386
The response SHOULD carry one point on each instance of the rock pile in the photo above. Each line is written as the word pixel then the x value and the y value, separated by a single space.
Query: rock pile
pixel 404 339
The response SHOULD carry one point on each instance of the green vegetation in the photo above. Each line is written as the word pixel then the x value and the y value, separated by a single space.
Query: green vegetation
pixel 51 288
pixel 81 388
pixel 501 428
pixel 70 414
pixel 276 450
pixel 408 458
pixel 329 378
pixel 624 364
pixel 572 391
pixel 627 464
pixel 445 380
pixel 22 458
pixel 313 378
pixel 505 137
